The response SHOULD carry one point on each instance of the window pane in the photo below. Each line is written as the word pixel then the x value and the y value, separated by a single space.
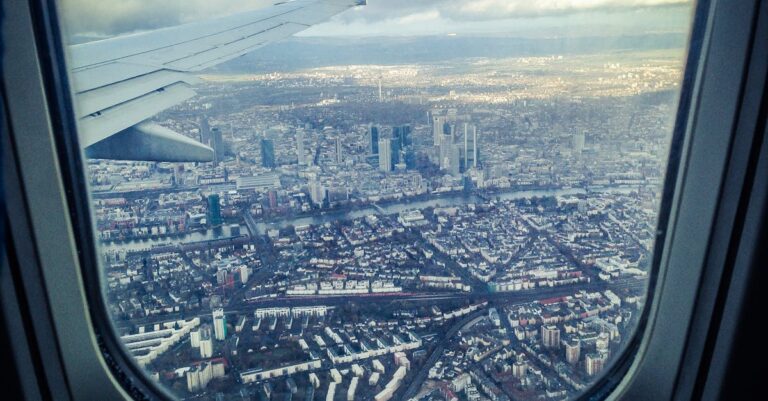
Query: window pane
pixel 436 200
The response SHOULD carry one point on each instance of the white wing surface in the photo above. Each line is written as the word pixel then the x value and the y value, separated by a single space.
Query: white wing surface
pixel 121 82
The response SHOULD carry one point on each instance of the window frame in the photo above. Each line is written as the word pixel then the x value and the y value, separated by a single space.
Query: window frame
pixel 85 360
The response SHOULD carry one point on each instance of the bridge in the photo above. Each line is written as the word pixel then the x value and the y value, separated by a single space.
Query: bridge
pixel 378 208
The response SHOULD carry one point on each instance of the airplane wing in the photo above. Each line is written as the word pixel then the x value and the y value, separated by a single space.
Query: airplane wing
pixel 121 82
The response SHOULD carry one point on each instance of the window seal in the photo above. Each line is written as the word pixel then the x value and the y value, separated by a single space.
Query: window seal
pixel 136 383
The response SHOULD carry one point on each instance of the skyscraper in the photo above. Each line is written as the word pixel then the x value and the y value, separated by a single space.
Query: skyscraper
pixel 300 146
pixel 395 145
pixel 449 129
pixel 339 154
pixel 316 192
pixel 454 160
pixel 409 158
pixel 470 147
pixel 466 149
pixel 437 129
pixel 403 133
pixel 446 145
pixel 373 139
pixel 205 131
pixel 475 148
pixel 219 324
pixel 214 210
pixel 385 154
pixel 217 143
pixel 268 153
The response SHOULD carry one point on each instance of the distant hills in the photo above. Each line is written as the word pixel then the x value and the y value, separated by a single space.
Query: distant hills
pixel 311 52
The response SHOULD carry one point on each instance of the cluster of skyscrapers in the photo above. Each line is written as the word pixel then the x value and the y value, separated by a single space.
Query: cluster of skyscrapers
pixel 391 153
pixel 453 157
pixel 212 137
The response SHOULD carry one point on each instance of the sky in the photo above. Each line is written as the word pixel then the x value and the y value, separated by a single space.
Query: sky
pixel 105 18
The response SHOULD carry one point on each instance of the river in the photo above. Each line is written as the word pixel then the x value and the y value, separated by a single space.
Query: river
pixel 316 219
pixel 401 206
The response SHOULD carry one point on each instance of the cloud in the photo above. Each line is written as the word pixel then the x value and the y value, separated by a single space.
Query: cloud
pixel 529 17
pixel 478 10
pixel 497 9
pixel 112 17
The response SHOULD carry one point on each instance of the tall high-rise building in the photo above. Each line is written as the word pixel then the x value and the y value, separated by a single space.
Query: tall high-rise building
pixel 194 338
pixel 403 133
pixel 446 146
pixel 205 341
pixel 272 195
pixel 339 150
pixel 466 145
pixel 409 158
pixel 205 131
pixel 550 336
pixel 437 129
pixel 219 324
pixel 268 153
pixel 217 143
pixel 572 351
pixel 316 192
pixel 214 210
pixel 594 363
pixel 385 154
pixel 475 148
pixel 395 145
pixel 300 147
pixel 519 369
pixel 471 152
pixel 373 139
pixel 454 160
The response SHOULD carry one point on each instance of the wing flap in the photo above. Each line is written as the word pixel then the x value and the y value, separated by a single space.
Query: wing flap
pixel 107 74
pixel 151 142
pixel 94 128
pixel 100 99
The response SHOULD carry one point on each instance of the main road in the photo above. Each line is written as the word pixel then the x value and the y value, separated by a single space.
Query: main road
pixel 416 381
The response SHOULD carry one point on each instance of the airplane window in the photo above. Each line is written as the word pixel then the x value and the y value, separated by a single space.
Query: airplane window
pixel 327 199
